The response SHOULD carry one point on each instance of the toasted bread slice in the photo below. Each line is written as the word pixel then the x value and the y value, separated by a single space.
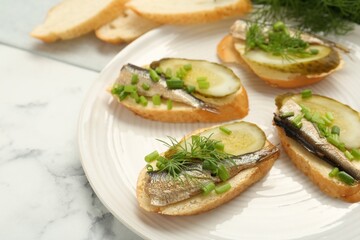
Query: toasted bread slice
pixel 232 107
pixel 318 170
pixel 125 28
pixel 188 11
pixel 73 18
pixel 231 50
pixel 200 203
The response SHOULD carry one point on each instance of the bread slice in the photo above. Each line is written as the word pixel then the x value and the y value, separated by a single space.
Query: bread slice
pixel 227 52
pixel 317 170
pixel 200 203
pixel 231 107
pixel 188 11
pixel 73 18
pixel 125 28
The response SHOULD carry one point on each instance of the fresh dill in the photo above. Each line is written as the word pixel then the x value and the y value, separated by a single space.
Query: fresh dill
pixel 320 16
pixel 199 149
pixel 277 41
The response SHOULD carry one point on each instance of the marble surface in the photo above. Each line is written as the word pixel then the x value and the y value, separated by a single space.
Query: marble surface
pixel 44 191
pixel 19 17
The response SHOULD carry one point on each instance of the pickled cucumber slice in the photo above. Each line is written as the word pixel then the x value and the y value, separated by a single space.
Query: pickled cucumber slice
pixel 324 61
pixel 222 80
pixel 344 116
pixel 245 137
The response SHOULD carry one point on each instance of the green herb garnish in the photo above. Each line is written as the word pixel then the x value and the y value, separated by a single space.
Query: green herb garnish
pixel 277 41
pixel 199 149
pixel 320 16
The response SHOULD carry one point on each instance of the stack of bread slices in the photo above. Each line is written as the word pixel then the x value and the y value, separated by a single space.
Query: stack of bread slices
pixel 119 21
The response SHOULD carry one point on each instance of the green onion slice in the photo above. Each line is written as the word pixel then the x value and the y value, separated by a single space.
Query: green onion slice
pixel 208 188
pixel 225 130
pixel 307 93
pixel 153 75
pixel 152 156
pixel 223 173
pixel 222 188
pixel 145 86
pixel 175 83
pixel 169 104
pixel 156 99
pixel 334 172
pixel 345 178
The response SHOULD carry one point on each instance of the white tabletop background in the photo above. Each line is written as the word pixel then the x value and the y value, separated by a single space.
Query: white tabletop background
pixel 44 191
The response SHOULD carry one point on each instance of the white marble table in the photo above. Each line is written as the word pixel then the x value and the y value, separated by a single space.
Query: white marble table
pixel 44 191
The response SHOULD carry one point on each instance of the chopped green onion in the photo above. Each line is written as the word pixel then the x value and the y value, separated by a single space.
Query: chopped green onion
pixel 208 165
pixel 149 168
pixel 307 93
pixel 156 99
pixel 316 118
pixel 326 120
pixel 169 104
pixel 152 156
pixel 129 88
pixel 335 130
pixel 296 121
pixel 341 147
pixel 190 89
pixel 219 146
pixel 223 188
pixel 143 101
pixel 223 173
pixel 134 79
pixel 208 188
pixel 145 86
pixel 203 83
pixel 345 178
pixel 168 73
pixel 187 67
pixel 287 114
pixel 135 96
pixel 175 83
pixel 158 70
pixel 200 79
pixel 314 51
pixel 333 139
pixel 225 130
pixel 334 172
pixel 329 116
pixel 356 153
pixel 348 155
pixel 181 72
pixel 117 89
pixel 153 75
pixel 123 95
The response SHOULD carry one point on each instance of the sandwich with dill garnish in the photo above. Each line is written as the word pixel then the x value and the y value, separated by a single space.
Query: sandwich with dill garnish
pixel 205 169
pixel 280 56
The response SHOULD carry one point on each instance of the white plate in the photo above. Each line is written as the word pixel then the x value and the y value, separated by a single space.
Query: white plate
pixel 283 205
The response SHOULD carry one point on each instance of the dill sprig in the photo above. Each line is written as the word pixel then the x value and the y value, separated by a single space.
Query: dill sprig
pixel 277 41
pixel 200 149
pixel 320 16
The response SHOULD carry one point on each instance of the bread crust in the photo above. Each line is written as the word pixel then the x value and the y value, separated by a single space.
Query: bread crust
pixel 52 29
pixel 232 107
pixel 227 53
pixel 163 11
pixel 200 203
pixel 125 28
pixel 317 170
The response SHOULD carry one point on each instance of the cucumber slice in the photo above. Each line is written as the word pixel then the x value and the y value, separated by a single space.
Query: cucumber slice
pixel 325 61
pixel 344 116
pixel 245 137
pixel 222 80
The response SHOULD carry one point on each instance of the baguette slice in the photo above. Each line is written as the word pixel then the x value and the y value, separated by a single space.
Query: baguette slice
pixel 200 203
pixel 125 28
pixel 232 107
pixel 188 11
pixel 317 170
pixel 73 18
